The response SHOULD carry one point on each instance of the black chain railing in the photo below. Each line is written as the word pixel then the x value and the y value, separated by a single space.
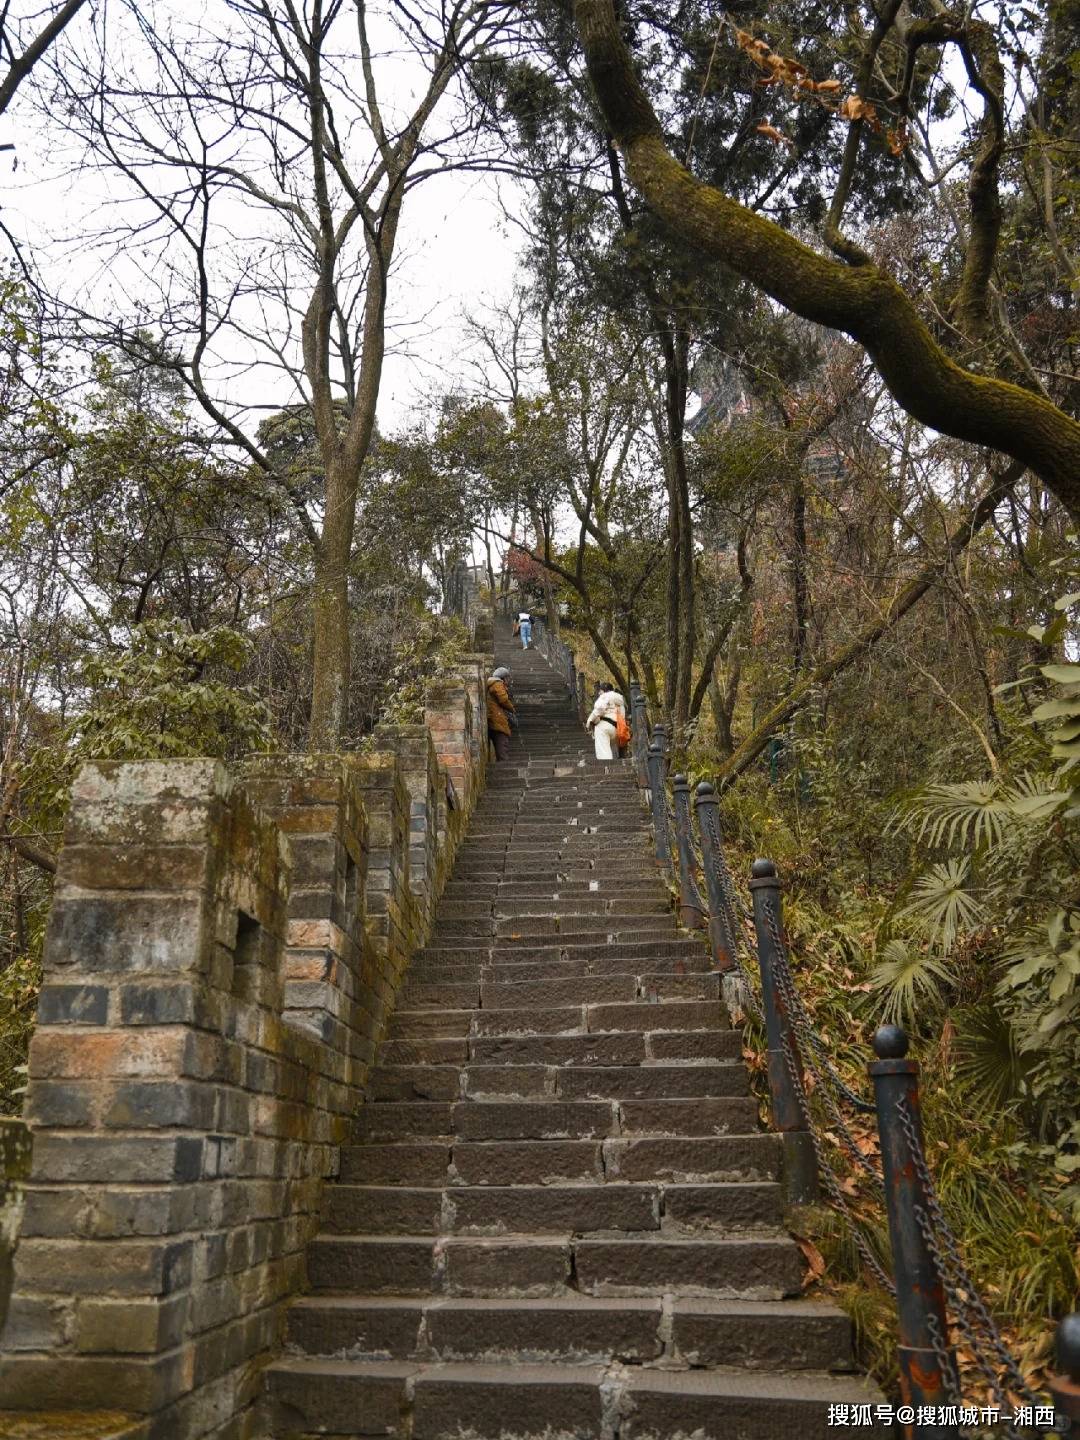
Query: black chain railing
pixel 808 1099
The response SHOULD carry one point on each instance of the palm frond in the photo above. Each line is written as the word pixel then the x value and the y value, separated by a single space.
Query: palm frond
pixel 972 811
pixel 943 906
pixel 988 1061
pixel 978 813
pixel 907 978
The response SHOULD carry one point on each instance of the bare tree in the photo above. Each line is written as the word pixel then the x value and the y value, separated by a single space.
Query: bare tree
pixel 266 164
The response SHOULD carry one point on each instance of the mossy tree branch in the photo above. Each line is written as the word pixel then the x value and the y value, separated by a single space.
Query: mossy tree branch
pixel 860 300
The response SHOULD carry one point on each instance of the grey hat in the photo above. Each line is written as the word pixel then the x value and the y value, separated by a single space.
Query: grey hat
pixel 500 674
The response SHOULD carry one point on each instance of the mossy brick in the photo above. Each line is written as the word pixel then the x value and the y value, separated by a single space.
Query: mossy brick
pixel 100 1054
pixel 89 1159
pixel 130 1327
pixel 169 1104
pixel 134 867
pixel 172 801
pixel 96 1267
pixel 141 1385
pixel 73 1005
pixel 34 1323
pixel 64 1104
pixel 316 860
pixel 154 935
pixel 135 1211
pixel 144 1003
pixel 57 1212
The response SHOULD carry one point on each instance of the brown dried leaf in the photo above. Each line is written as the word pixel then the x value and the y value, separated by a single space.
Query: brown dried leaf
pixel 776 136
pixel 815 1261
pixel 827 87
pixel 855 109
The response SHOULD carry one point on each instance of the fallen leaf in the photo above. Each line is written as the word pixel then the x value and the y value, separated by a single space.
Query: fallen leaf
pixel 815 1261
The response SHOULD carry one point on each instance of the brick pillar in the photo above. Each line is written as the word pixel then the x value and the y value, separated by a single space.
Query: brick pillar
pixel 315 802
pixel 419 766
pixel 391 923
pixel 456 730
pixel 161 969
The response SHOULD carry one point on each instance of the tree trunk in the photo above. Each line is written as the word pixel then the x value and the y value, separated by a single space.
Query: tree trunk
pixel 799 585
pixel 330 616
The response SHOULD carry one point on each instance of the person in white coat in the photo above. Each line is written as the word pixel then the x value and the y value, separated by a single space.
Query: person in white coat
pixel 603 718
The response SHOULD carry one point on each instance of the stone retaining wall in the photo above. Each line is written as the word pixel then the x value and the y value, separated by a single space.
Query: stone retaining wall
pixel 222 956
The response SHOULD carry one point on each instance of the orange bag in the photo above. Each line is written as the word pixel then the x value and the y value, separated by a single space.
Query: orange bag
pixel 622 731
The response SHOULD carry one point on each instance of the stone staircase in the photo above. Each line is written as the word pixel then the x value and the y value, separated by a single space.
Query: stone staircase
pixel 559 1216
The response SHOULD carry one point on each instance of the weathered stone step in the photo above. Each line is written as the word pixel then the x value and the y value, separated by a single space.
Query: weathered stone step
pixel 651 975
pixel 533 1082
pixel 754 1405
pixel 752 1267
pixel 549 888
pixel 573 929
pixel 755 1334
pixel 678 1159
pixel 602 1017
pixel 586 949
pixel 621 907
pixel 596 1049
pixel 527 1402
pixel 556 1119
pixel 551 1209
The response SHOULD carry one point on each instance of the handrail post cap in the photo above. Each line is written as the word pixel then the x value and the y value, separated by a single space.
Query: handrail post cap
pixel 704 789
pixel 763 870
pixel 890 1042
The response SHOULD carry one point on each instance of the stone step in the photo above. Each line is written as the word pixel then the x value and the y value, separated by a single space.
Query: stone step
pixel 676 1159
pixel 595 1049
pixel 753 1334
pixel 556 1119
pixel 607 906
pixel 551 1209
pixel 533 1082
pixel 601 1017
pixel 550 1402
pixel 754 1405
pixel 549 888
pixel 584 949
pixel 651 975
pixel 754 1267
pixel 571 929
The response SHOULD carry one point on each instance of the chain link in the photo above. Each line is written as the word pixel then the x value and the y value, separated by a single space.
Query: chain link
pixel 802 1021
pixel 786 985
pixel 828 1175
pixel 973 1320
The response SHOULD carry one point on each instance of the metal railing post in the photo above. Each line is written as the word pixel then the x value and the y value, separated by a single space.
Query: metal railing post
pixel 571 674
pixel 1065 1386
pixel 723 931
pixel 582 703
pixel 927 1362
pixel 639 721
pixel 691 910
pixel 657 800
pixel 800 1167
